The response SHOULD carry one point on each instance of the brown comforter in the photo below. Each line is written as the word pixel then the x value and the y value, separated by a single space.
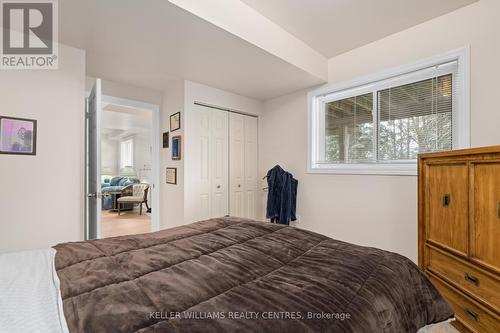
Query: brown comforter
pixel 234 275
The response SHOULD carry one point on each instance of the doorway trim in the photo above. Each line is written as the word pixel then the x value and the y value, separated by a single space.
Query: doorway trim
pixel 155 163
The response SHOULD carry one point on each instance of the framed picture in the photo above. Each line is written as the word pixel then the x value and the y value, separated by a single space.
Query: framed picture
pixel 176 147
pixel 171 176
pixel 175 121
pixel 17 136
pixel 165 140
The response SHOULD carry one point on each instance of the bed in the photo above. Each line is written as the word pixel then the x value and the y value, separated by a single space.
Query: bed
pixel 237 275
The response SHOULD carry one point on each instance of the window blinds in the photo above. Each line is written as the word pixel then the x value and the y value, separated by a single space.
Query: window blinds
pixel 349 129
pixel 415 117
pixel 413 114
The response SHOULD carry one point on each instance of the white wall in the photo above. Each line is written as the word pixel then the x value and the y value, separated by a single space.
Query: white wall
pixel 381 211
pixel 41 201
pixel 172 196
pixel 143 156
pixel 370 210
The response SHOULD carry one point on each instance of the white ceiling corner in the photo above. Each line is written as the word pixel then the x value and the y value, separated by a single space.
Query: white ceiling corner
pixel 333 27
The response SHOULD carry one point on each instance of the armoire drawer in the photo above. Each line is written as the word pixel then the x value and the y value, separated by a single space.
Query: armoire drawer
pixel 480 284
pixel 468 312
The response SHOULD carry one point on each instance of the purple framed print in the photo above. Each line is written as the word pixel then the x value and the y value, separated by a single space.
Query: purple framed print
pixel 17 136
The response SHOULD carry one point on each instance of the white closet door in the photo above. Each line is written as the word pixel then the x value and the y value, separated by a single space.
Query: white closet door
pixel 219 164
pixel 251 167
pixel 202 157
pixel 237 165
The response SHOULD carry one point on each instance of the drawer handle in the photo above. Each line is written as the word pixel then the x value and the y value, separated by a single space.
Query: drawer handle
pixel 472 279
pixel 446 200
pixel 472 314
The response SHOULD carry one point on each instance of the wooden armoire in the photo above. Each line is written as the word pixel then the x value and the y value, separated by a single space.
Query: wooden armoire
pixel 459 232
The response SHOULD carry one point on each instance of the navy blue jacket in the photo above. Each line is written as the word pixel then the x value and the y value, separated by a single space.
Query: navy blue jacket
pixel 282 196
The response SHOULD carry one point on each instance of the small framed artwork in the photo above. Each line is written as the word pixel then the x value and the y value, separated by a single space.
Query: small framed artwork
pixel 17 136
pixel 172 176
pixel 176 147
pixel 165 140
pixel 175 121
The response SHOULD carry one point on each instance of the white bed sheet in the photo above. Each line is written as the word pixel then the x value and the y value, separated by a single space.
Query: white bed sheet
pixel 30 297
pixel 442 327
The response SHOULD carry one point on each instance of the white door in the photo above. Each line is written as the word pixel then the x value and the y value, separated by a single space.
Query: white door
pixel 251 167
pixel 220 164
pixel 243 173
pixel 202 160
pixel 209 164
pixel 236 164
pixel 93 163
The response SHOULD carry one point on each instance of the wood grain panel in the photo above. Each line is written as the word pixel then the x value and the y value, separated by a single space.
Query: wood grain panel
pixel 483 286
pixel 447 222
pixel 468 312
pixel 486 206
pixel 459 242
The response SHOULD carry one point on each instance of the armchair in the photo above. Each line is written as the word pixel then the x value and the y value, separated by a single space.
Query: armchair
pixel 115 185
pixel 134 194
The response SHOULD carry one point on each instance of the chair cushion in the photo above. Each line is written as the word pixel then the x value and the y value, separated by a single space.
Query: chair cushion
pixel 130 199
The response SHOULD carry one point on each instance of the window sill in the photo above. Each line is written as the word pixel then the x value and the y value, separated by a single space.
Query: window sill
pixel 388 169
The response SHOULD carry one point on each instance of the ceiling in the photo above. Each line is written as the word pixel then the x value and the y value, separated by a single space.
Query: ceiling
pixel 150 43
pixel 333 27
pixel 119 122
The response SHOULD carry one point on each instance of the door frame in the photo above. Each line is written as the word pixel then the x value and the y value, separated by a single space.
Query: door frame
pixel 97 90
pixel 155 159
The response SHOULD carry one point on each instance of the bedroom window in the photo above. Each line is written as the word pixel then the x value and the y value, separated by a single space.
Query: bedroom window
pixel 379 125
pixel 126 153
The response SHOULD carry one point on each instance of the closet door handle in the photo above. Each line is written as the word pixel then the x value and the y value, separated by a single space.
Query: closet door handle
pixel 446 200
pixel 498 209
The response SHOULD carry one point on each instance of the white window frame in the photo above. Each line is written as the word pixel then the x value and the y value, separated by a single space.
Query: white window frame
pixel 126 141
pixel 389 78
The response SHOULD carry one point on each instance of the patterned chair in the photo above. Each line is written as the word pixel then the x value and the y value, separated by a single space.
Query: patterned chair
pixel 134 194
pixel 115 184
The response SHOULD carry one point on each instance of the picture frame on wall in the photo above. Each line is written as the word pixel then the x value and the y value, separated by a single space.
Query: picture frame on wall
pixel 171 176
pixel 175 121
pixel 176 148
pixel 165 140
pixel 17 136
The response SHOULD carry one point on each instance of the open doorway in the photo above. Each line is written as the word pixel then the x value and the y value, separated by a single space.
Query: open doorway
pixel 122 166
pixel 126 170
